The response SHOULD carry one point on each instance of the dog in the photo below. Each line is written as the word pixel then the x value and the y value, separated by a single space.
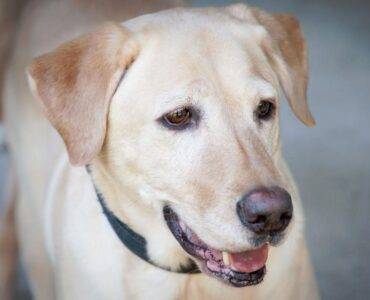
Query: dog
pixel 147 153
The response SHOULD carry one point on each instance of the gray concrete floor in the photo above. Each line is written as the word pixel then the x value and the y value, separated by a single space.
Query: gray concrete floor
pixel 331 161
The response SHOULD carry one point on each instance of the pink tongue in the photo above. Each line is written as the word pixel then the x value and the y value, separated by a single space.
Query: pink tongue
pixel 249 261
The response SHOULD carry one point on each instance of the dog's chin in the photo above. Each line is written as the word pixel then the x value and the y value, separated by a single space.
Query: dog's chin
pixel 235 269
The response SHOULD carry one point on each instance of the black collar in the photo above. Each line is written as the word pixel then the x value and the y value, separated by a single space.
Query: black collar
pixel 132 240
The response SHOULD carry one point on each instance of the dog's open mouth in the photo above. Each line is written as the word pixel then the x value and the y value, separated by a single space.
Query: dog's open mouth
pixel 238 269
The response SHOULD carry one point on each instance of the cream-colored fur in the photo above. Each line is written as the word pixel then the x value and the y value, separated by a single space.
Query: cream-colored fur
pixel 222 60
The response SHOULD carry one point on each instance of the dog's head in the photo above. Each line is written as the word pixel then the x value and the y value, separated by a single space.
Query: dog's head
pixel 178 114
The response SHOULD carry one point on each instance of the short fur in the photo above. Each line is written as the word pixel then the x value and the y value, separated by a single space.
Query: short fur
pixel 102 94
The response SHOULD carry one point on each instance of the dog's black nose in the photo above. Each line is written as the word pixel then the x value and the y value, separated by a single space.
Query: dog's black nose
pixel 266 210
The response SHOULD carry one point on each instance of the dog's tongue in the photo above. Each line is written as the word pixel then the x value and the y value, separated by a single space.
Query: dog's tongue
pixel 249 261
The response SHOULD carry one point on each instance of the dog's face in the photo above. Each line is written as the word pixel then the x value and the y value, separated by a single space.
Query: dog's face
pixel 190 131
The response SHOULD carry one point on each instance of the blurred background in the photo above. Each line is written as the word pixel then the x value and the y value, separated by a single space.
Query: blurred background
pixel 331 162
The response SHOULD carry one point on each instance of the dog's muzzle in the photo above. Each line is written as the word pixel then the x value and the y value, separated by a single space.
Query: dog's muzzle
pixel 265 211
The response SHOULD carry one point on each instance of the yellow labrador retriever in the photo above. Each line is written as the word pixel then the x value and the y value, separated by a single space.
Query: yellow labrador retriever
pixel 157 172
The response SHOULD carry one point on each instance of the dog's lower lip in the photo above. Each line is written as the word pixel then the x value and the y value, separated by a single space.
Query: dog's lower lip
pixel 211 260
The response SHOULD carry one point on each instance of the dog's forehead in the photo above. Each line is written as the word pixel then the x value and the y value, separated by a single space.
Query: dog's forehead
pixel 184 45
pixel 237 20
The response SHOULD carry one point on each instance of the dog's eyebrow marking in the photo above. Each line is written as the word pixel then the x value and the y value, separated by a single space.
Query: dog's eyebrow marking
pixel 262 89
pixel 188 94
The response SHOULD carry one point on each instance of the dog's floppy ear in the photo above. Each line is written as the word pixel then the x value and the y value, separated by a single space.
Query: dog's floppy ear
pixel 75 83
pixel 288 55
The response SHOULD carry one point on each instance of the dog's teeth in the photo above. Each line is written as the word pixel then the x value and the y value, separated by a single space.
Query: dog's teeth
pixel 225 258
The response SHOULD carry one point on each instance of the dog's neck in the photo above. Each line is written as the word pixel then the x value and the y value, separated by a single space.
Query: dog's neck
pixel 130 238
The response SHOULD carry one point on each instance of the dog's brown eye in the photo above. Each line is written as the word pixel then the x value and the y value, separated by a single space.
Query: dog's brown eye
pixel 264 110
pixel 178 117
